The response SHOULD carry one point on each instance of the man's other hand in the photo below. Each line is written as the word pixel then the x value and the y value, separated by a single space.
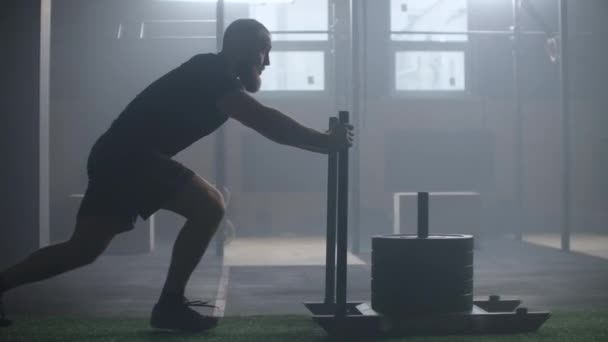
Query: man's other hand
pixel 340 137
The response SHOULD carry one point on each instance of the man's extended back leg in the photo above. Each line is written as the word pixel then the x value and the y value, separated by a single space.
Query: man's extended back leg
pixel 90 238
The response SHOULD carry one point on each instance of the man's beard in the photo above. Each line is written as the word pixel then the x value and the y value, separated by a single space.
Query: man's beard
pixel 250 78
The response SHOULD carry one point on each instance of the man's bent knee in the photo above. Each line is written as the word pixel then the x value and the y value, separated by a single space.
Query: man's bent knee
pixel 216 211
pixel 209 215
pixel 198 201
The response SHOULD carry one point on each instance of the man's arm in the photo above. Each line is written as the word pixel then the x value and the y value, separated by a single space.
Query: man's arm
pixel 271 123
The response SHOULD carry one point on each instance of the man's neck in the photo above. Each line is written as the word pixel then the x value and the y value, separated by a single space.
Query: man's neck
pixel 227 62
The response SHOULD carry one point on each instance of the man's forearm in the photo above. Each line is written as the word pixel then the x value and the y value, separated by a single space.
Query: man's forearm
pixel 272 123
pixel 323 150
pixel 285 130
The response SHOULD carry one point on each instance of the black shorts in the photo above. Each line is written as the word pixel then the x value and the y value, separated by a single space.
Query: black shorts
pixel 123 186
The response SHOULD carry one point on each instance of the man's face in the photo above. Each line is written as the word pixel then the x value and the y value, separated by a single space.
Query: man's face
pixel 254 63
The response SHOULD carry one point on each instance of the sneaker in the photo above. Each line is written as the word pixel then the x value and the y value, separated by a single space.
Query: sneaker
pixel 4 322
pixel 179 315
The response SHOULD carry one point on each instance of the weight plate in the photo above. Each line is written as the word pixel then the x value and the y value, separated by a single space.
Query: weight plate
pixel 413 289
pixel 406 259
pixel 422 270
pixel 413 281
pixel 399 238
pixel 431 305
pixel 443 244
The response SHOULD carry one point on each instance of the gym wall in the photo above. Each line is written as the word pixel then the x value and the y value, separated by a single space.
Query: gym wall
pixel 19 99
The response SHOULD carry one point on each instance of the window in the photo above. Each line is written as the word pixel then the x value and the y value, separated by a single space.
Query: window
pixel 300 41
pixel 429 70
pixel 294 71
pixel 428 45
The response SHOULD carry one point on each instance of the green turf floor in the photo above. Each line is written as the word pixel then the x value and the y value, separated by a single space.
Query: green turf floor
pixel 561 327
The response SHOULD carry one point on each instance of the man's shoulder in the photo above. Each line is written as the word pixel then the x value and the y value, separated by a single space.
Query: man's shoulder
pixel 205 56
pixel 210 60
pixel 208 64
pixel 212 68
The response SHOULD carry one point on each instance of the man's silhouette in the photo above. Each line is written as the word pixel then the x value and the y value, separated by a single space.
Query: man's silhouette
pixel 131 172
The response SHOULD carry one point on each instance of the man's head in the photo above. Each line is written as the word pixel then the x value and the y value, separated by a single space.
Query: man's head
pixel 246 45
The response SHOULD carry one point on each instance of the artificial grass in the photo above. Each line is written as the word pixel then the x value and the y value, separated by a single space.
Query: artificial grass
pixel 561 327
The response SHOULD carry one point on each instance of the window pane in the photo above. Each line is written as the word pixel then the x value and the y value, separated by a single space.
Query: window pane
pixel 430 70
pixel 295 15
pixel 295 70
pixel 429 15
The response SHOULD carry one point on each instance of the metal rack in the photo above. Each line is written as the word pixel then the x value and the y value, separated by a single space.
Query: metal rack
pixel 357 319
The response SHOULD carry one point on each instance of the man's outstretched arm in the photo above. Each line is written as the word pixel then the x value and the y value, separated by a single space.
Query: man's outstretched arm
pixel 273 124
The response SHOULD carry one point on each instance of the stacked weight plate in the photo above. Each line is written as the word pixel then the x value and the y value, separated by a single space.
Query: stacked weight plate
pixel 422 275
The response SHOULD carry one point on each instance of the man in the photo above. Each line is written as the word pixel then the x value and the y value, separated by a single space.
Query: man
pixel 131 172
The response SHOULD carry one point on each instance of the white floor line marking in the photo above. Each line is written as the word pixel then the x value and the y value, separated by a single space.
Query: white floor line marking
pixel 222 291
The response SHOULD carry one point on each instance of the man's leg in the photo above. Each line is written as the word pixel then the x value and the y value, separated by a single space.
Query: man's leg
pixel 90 238
pixel 203 207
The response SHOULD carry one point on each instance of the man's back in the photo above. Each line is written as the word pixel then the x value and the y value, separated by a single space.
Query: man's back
pixel 174 111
